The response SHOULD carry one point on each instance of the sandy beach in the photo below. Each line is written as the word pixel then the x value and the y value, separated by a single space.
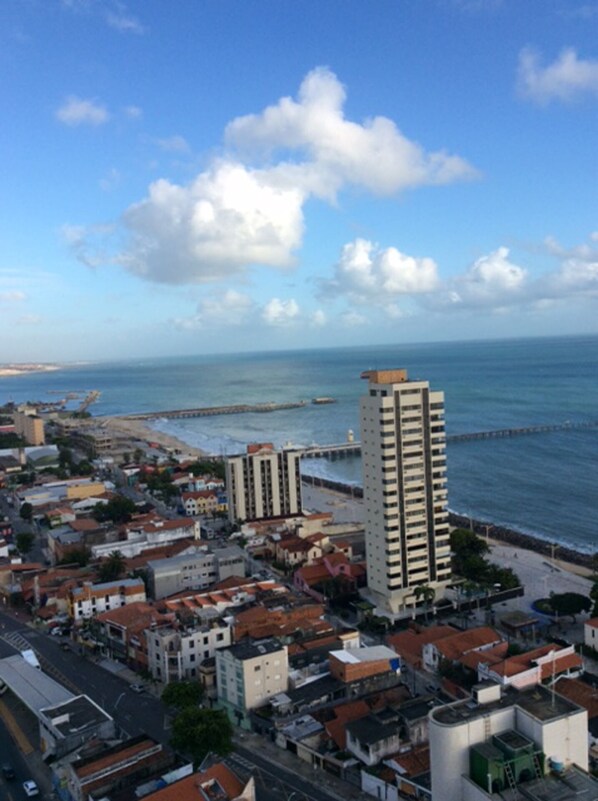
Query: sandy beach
pixel 139 430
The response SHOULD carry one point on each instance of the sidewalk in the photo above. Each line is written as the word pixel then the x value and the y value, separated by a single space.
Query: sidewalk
pixel 343 791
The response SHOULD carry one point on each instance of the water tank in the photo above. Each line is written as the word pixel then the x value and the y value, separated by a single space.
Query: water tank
pixel 556 764
pixel 350 435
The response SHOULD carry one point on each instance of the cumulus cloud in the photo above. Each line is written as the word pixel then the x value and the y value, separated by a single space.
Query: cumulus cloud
pixel 230 308
pixel 577 273
pixel 227 218
pixel 368 274
pixel 492 281
pixel 78 111
pixel 566 79
pixel 12 296
pixel 280 312
pixel 246 208
pixel 318 318
pixel 374 155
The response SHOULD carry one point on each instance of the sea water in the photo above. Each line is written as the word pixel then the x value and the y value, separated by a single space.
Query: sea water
pixel 544 483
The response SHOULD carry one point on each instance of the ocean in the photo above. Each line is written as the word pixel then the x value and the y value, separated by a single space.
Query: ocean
pixel 545 484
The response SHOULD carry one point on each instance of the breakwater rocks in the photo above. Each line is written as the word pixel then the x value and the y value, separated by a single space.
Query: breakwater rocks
pixel 520 540
pixel 481 527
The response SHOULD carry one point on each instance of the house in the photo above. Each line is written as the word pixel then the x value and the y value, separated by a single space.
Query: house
pixel 410 643
pixel 524 670
pixel 200 502
pixel 175 651
pixel 92 599
pixel 249 675
pixel 373 737
pixel 453 646
pixel 215 783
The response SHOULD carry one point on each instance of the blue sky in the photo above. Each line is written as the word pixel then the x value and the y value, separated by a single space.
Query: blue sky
pixel 194 177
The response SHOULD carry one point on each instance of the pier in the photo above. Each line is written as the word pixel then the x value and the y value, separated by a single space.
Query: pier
pixel 345 449
pixel 211 411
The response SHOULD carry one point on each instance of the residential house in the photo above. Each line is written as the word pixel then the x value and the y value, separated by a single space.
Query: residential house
pixel 92 599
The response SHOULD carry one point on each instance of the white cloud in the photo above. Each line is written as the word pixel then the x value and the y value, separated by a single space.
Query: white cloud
pixel 492 281
pixel 374 155
pixel 318 318
pixel 367 274
pixel 280 312
pixel 577 273
pixel 352 319
pixel 77 111
pixel 237 214
pixel 567 78
pixel 175 144
pixel 89 243
pixel 229 217
pixel 125 23
pixel 12 296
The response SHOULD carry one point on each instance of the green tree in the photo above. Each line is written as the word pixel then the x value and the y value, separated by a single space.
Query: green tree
pixel 26 511
pixel 24 541
pixel 138 455
pixel 118 509
pixel 113 567
pixel 569 603
pixel 594 597
pixel 198 732
pixel 427 594
pixel 183 694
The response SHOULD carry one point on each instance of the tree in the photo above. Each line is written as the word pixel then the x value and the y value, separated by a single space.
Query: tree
pixel 118 509
pixel 113 567
pixel 137 455
pixel 594 597
pixel 24 541
pixel 198 732
pixel 183 694
pixel 26 511
pixel 427 594
pixel 569 603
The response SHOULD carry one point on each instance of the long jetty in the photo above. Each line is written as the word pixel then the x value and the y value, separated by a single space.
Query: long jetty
pixel 211 411
pixel 345 449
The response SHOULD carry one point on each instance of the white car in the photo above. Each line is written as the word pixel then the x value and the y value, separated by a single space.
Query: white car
pixel 31 788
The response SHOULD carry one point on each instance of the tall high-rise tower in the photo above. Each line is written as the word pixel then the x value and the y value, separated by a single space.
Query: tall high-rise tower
pixel 404 488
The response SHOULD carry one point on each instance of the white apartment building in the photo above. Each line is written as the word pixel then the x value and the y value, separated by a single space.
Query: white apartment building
pixel 248 674
pixel 175 654
pixel 263 483
pixel 404 488
pixel 92 599
pixel 508 740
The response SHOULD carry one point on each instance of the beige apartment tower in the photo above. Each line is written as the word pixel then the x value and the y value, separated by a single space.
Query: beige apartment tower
pixel 404 489
pixel 263 483
pixel 29 426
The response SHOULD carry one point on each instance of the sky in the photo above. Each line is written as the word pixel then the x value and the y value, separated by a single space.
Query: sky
pixel 207 176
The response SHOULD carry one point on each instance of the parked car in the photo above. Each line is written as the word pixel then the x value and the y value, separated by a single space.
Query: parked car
pixel 138 688
pixel 31 788
pixel 56 632
pixel 8 771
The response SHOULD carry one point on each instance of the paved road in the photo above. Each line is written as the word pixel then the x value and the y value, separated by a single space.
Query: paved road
pixel 273 781
pixel 10 754
pixel 135 714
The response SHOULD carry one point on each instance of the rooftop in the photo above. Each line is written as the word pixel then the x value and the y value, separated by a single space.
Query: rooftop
pixel 252 650
pixel 536 701
pixel 74 716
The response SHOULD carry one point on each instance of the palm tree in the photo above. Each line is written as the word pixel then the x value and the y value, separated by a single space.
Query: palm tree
pixel 113 567
pixel 427 593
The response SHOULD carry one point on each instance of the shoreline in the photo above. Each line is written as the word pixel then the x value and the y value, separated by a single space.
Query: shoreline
pixel 140 430
pixel 493 533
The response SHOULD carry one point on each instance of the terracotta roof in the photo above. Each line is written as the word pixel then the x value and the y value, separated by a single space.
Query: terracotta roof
pixel 409 643
pixel 93 766
pixel 311 574
pixel 84 524
pixel 189 788
pixel 569 662
pixel 580 693
pixel 593 622
pixel 455 645
pixel 413 762
pixel 345 713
